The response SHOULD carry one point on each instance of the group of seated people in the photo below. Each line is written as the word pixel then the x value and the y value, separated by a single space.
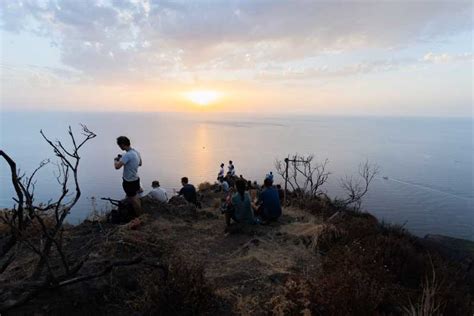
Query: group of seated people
pixel 245 202
pixel 248 203
pixel 187 191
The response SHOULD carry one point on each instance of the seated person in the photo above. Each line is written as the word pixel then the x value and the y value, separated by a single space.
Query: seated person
pixel 240 209
pixel 188 191
pixel 281 193
pixel 224 185
pixel 158 193
pixel 256 186
pixel 230 179
pixel 249 185
pixel 269 176
pixel 269 207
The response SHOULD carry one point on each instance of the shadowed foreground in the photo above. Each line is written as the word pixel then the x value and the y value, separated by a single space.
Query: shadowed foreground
pixel 316 260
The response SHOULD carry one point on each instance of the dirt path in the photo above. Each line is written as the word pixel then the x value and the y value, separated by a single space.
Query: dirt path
pixel 249 264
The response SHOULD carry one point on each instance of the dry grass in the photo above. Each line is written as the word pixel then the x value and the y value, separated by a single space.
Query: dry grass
pixel 348 265
pixel 205 186
pixel 370 269
pixel 429 302
pixel 179 288
pixel 4 229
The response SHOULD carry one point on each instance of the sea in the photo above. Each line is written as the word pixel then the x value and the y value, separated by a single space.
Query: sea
pixel 425 181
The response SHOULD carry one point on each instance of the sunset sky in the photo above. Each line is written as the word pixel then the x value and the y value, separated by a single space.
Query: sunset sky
pixel 321 57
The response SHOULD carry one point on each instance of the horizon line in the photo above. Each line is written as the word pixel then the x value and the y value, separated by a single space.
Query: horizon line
pixel 278 114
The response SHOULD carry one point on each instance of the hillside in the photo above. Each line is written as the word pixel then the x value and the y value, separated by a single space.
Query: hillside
pixel 175 259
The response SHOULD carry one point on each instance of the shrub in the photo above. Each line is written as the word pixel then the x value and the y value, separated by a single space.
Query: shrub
pixel 179 287
pixel 371 268
pixel 205 186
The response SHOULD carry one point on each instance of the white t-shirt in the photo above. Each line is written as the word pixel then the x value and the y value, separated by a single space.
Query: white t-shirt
pixel 131 161
pixel 221 173
pixel 159 194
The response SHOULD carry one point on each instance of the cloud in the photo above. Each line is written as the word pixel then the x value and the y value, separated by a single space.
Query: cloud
pixel 326 72
pixel 150 40
pixel 446 58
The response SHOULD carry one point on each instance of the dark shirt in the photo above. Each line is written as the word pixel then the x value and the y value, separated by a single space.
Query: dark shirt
pixel 270 202
pixel 188 191
pixel 281 195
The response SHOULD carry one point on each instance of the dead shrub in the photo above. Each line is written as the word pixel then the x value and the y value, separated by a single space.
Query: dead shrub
pixel 355 225
pixel 295 299
pixel 319 205
pixel 205 186
pixel 328 236
pixel 178 287
pixel 373 270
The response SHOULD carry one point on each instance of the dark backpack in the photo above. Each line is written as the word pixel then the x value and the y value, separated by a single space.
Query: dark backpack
pixel 124 214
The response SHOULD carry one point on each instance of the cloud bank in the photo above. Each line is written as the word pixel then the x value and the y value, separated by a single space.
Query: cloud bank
pixel 146 39
pixel 136 51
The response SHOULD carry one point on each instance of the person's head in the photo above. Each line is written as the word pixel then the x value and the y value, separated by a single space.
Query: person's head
pixel 267 182
pixel 184 180
pixel 123 142
pixel 222 165
pixel 155 184
pixel 240 186
pixel 230 162
pixel 271 173
pixel 278 186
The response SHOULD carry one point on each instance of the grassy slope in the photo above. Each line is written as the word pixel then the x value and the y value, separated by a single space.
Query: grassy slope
pixel 349 264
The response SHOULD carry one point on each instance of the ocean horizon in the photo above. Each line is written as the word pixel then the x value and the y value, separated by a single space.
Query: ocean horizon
pixel 425 180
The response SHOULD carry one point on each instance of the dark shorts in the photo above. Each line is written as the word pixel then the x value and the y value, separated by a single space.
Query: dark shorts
pixel 131 188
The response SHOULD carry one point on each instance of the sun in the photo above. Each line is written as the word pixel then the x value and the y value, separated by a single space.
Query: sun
pixel 202 97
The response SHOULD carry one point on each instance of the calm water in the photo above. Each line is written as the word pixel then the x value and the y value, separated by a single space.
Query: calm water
pixel 428 161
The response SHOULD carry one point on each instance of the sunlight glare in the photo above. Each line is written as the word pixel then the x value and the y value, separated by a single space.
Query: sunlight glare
pixel 202 97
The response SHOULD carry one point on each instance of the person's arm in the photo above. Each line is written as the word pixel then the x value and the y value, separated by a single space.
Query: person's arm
pixel 118 164
pixel 195 196
pixel 121 162
pixel 140 158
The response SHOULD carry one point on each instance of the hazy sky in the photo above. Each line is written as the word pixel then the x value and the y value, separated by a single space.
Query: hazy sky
pixel 322 57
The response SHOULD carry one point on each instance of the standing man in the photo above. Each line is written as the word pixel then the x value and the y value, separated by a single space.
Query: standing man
pixel 130 161
pixel 220 175
pixel 231 168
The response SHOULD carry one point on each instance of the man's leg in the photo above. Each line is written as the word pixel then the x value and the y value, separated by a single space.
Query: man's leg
pixel 131 189
pixel 137 205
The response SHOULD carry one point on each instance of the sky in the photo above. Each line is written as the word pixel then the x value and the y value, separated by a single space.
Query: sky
pixel 388 58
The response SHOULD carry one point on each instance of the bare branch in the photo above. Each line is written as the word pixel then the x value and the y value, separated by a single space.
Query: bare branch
pixel 304 176
pixel 16 185
pixel 103 272
pixel 356 189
